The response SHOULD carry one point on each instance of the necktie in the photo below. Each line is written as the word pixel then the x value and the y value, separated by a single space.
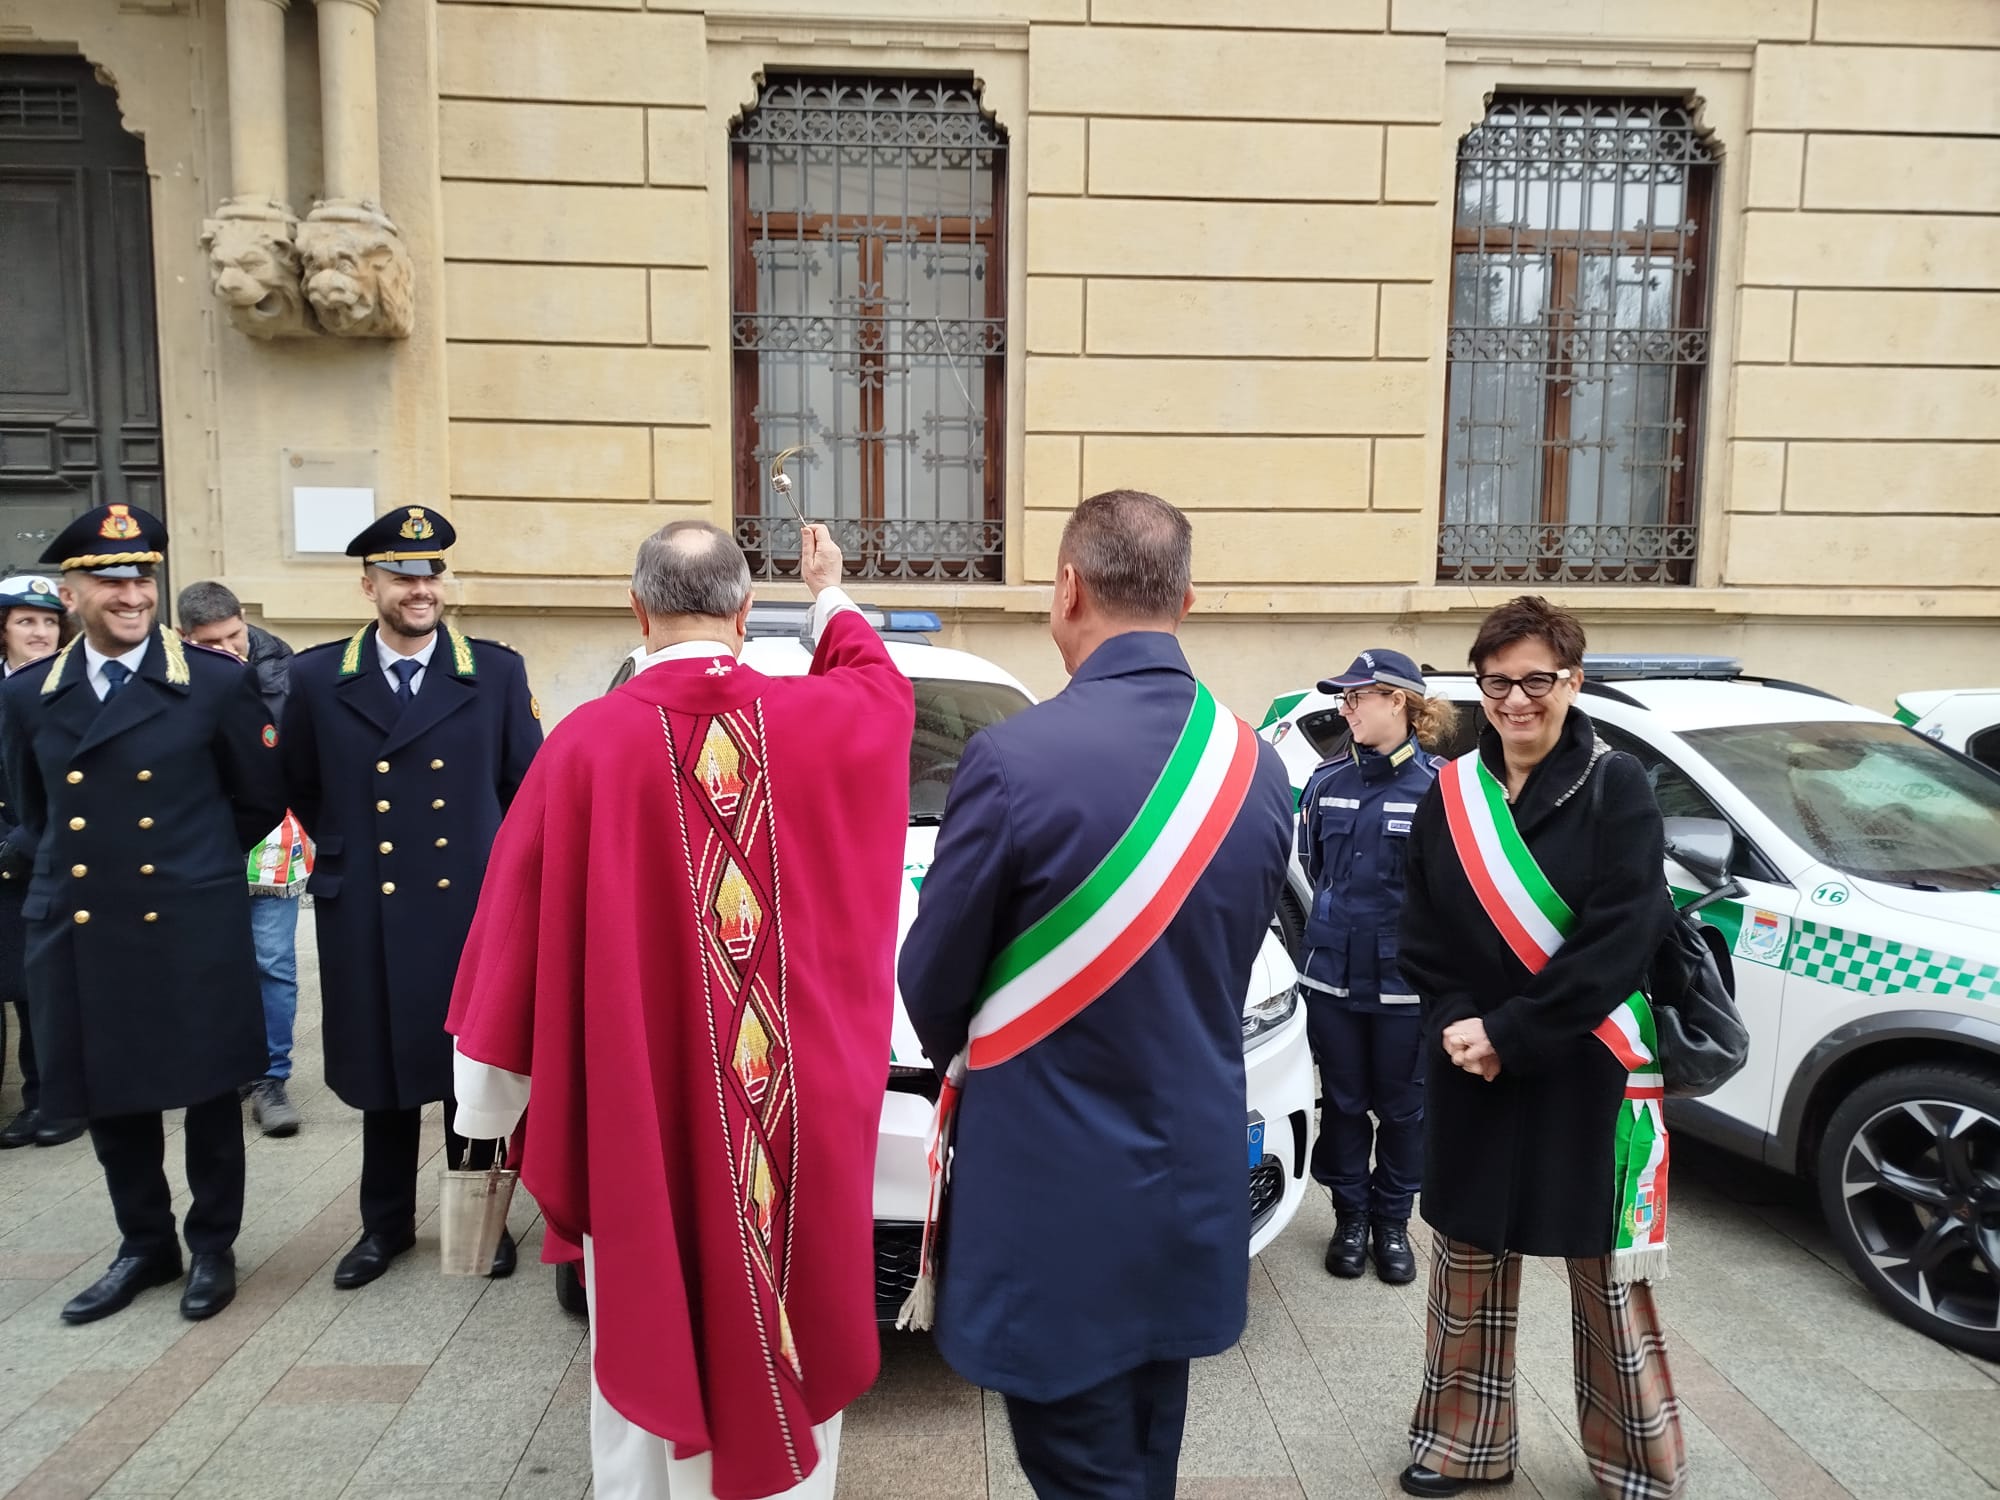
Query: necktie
pixel 406 670
pixel 115 673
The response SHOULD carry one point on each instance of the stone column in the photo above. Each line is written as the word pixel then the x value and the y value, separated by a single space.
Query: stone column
pixel 357 272
pixel 253 259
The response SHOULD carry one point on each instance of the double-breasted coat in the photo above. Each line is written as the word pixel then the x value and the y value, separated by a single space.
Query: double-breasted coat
pixel 1099 1209
pixel 401 802
pixel 140 809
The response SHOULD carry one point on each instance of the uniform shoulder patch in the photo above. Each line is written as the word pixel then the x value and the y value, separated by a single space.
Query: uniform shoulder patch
pixel 480 640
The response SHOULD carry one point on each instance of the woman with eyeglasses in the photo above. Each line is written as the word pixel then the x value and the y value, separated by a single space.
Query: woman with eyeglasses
pixel 1361 1017
pixel 1535 901
pixel 33 624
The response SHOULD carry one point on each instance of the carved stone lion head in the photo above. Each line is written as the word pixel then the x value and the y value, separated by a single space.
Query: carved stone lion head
pixel 358 277
pixel 253 268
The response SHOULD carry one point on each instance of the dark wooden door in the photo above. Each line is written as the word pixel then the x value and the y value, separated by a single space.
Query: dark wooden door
pixel 79 362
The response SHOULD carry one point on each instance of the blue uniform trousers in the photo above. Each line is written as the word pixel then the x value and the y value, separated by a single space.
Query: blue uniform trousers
pixel 1369 1061
pixel 1118 1440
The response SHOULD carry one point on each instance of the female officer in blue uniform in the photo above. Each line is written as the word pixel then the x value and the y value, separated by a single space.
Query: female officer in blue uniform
pixel 1354 826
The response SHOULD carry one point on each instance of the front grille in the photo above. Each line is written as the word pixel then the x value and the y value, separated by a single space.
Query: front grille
pixel 1267 1190
pixel 898 1248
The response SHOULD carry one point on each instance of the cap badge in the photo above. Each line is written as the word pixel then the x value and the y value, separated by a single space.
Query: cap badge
pixel 118 525
pixel 418 527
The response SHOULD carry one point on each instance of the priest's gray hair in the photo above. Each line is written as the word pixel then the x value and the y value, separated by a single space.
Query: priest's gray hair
pixel 1134 553
pixel 691 568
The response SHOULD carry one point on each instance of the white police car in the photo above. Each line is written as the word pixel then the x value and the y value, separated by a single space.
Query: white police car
pixel 1862 923
pixel 1967 719
pixel 957 695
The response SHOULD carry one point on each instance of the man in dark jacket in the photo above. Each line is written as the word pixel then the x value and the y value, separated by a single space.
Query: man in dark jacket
pixel 1097 1228
pixel 142 770
pixel 404 745
pixel 212 616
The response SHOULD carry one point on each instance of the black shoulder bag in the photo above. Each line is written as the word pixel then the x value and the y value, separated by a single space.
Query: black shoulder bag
pixel 1703 1041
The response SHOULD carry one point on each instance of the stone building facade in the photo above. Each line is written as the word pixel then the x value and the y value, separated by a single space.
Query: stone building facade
pixel 1686 312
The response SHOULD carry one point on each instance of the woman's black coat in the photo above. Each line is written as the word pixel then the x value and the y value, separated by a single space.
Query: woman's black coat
pixel 1525 1162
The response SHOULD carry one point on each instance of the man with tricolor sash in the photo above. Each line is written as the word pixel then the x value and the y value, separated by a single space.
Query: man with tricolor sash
pixel 1108 865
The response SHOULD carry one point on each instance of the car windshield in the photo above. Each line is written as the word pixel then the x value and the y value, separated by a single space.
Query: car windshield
pixel 950 712
pixel 1873 800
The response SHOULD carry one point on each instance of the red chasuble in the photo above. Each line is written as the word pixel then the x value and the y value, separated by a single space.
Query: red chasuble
pixel 686 938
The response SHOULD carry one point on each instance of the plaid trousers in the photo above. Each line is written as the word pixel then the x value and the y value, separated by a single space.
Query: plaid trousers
pixel 1627 1415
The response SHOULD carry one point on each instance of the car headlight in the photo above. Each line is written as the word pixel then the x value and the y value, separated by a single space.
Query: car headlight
pixel 1267 1015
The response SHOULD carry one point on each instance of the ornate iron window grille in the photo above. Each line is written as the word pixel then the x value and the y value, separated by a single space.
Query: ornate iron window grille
pixel 1578 344
pixel 869 296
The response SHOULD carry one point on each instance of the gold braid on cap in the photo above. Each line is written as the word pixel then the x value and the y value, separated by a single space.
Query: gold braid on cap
pixel 109 560
pixel 380 557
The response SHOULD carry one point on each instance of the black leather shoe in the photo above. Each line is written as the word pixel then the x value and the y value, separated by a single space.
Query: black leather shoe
pixel 1395 1261
pixel 1417 1480
pixel 20 1130
pixel 370 1257
pixel 114 1290
pixel 504 1257
pixel 53 1132
pixel 1347 1251
pixel 211 1285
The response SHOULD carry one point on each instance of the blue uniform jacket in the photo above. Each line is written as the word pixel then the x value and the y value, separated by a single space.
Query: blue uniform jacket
pixel 1099 1210
pixel 1354 834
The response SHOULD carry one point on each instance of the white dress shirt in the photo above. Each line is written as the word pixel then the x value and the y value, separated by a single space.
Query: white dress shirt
pixel 389 658
pixel 96 660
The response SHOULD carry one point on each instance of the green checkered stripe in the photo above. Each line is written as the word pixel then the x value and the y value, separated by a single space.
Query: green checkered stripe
pixel 1876 966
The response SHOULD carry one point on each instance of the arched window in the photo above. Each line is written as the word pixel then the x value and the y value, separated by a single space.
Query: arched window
pixel 1578 343
pixel 869 298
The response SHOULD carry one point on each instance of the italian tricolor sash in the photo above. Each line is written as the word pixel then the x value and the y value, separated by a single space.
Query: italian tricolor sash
pixel 1088 941
pixel 1533 918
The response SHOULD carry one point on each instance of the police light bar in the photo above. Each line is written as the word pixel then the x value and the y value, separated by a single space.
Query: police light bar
pixel 1637 665
pixel 925 621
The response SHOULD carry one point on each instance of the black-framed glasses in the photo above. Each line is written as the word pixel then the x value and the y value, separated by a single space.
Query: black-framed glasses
pixel 1351 699
pixel 1535 684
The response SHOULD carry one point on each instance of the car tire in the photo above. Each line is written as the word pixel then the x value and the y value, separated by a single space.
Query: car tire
pixel 1289 923
pixel 1909 1182
pixel 569 1288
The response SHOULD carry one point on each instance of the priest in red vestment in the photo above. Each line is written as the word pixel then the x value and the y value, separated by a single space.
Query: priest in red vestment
pixel 682 968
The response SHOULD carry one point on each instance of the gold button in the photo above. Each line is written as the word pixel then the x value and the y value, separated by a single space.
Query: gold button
pixel 145 869
pixel 381 765
pixel 79 871
pixel 76 825
pixel 145 775
pixel 381 807
pixel 444 885
pixel 145 822
pixel 437 765
pixel 437 804
pixel 443 842
pixel 75 777
pixel 80 918
pixel 388 887
pixel 152 916
pixel 386 847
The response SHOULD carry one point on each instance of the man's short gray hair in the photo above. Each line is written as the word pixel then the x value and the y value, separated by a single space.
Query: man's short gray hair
pixel 207 603
pixel 691 568
pixel 1134 553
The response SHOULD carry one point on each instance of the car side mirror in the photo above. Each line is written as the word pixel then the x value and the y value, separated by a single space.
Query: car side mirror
pixel 1704 847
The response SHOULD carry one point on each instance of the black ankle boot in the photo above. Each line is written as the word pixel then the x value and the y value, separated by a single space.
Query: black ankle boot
pixel 1395 1262
pixel 1347 1251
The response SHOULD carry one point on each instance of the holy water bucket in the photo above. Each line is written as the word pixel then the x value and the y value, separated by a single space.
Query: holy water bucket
pixel 472 1214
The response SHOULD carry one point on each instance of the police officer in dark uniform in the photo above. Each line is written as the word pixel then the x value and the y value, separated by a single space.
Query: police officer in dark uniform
pixel 404 745
pixel 143 771
pixel 1362 1018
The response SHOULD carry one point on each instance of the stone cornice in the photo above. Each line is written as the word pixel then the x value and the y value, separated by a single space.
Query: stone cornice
pixel 1669 54
pixel 931 35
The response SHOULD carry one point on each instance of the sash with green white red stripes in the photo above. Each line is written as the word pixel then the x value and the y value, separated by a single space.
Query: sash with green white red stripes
pixel 1534 920
pixel 1093 936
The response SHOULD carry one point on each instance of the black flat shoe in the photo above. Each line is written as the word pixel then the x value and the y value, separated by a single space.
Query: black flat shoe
pixel 114 1290
pixel 504 1257
pixel 1389 1244
pixel 1347 1251
pixel 211 1285
pixel 1417 1480
pixel 370 1257
pixel 52 1132
pixel 20 1130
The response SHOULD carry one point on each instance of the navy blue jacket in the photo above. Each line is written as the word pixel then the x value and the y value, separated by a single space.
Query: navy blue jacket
pixel 402 805
pixel 1354 834
pixel 1099 1212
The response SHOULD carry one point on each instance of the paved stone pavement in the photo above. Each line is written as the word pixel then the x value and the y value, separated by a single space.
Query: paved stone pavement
pixel 423 1387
